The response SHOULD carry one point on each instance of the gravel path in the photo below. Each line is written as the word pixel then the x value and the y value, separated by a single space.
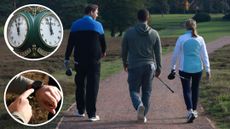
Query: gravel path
pixel 167 110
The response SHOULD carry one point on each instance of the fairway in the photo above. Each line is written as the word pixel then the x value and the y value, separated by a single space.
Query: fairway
pixel 171 25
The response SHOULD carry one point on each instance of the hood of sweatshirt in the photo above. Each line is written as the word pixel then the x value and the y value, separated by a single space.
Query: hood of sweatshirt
pixel 142 28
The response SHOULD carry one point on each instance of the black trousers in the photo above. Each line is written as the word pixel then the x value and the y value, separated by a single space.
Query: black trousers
pixel 87 85
pixel 191 88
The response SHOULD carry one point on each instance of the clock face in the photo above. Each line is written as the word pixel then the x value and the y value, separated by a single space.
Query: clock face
pixel 17 30
pixel 51 30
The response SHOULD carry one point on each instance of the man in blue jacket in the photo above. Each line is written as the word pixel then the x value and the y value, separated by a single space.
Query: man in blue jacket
pixel 87 39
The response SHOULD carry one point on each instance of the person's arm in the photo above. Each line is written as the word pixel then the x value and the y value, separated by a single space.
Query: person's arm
pixel 103 44
pixel 205 59
pixel 175 54
pixel 102 39
pixel 158 52
pixel 70 46
pixel 124 52
pixel 19 84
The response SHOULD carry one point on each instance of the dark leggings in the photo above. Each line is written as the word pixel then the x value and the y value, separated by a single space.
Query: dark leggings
pixel 191 89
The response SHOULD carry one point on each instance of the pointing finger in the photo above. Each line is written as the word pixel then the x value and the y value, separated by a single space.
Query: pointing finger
pixel 27 93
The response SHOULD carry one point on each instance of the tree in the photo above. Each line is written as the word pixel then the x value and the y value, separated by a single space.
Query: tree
pixel 119 14
pixel 6 8
pixel 159 6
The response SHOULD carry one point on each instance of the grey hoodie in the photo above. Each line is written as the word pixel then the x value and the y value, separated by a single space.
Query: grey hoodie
pixel 141 45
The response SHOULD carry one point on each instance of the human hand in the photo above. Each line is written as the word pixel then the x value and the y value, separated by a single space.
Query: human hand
pixel 208 76
pixel 157 73
pixel 48 97
pixel 125 66
pixel 66 64
pixel 22 106
pixel 103 54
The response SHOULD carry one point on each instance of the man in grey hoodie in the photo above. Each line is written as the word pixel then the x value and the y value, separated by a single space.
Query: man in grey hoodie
pixel 141 56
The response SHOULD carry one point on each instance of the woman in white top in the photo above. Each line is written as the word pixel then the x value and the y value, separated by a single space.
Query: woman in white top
pixel 191 50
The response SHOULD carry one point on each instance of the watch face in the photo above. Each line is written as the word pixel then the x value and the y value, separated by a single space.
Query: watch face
pixel 51 30
pixel 17 30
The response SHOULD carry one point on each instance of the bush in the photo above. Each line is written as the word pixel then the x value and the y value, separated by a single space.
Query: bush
pixel 226 17
pixel 202 17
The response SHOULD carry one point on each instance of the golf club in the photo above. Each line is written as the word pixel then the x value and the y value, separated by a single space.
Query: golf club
pixel 181 77
pixel 165 84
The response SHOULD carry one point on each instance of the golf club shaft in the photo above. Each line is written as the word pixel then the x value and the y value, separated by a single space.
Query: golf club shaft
pixel 165 84
pixel 181 77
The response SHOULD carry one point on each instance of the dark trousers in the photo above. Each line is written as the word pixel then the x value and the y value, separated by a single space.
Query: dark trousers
pixel 191 88
pixel 87 86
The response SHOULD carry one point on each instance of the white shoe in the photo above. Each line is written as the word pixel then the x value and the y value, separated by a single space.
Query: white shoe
pixel 145 120
pixel 93 119
pixel 190 117
pixel 140 113
pixel 195 113
pixel 80 115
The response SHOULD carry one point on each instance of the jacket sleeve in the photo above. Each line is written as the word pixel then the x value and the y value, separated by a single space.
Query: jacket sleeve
pixel 103 43
pixel 70 46
pixel 124 50
pixel 158 52
pixel 19 84
pixel 175 55
pixel 204 56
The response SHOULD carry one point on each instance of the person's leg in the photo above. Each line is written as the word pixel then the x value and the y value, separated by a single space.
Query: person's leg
pixel 186 89
pixel 196 77
pixel 134 80
pixel 92 87
pixel 80 88
pixel 147 79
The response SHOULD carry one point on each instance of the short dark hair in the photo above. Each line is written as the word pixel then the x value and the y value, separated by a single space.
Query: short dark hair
pixel 143 15
pixel 91 7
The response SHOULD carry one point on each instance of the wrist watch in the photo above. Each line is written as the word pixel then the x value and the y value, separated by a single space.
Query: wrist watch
pixel 36 85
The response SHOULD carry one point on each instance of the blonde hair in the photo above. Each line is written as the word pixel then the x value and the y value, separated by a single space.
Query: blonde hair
pixel 190 24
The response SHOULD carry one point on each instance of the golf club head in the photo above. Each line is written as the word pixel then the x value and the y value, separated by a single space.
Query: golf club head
pixel 171 76
pixel 68 72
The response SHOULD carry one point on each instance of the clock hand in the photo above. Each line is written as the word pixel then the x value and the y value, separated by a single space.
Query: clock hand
pixel 17 26
pixel 51 29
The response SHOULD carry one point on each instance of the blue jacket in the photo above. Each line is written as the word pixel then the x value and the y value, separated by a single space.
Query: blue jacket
pixel 87 39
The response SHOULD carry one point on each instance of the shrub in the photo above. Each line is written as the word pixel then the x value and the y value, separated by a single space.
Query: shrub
pixel 202 17
pixel 226 17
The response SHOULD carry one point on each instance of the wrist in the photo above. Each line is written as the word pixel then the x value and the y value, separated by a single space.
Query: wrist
pixel 36 85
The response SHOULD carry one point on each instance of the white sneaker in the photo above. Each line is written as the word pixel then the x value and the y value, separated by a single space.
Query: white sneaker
pixel 80 115
pixel 140 113
pixel 190 117
pixel 93 119
pixel 195 113
pixel 145 120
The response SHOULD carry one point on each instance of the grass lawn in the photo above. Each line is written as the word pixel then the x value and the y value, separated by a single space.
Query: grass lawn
pixel 172 26
pixel 215 95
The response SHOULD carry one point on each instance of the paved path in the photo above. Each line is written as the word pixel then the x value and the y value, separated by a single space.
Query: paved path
pixel 167 110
